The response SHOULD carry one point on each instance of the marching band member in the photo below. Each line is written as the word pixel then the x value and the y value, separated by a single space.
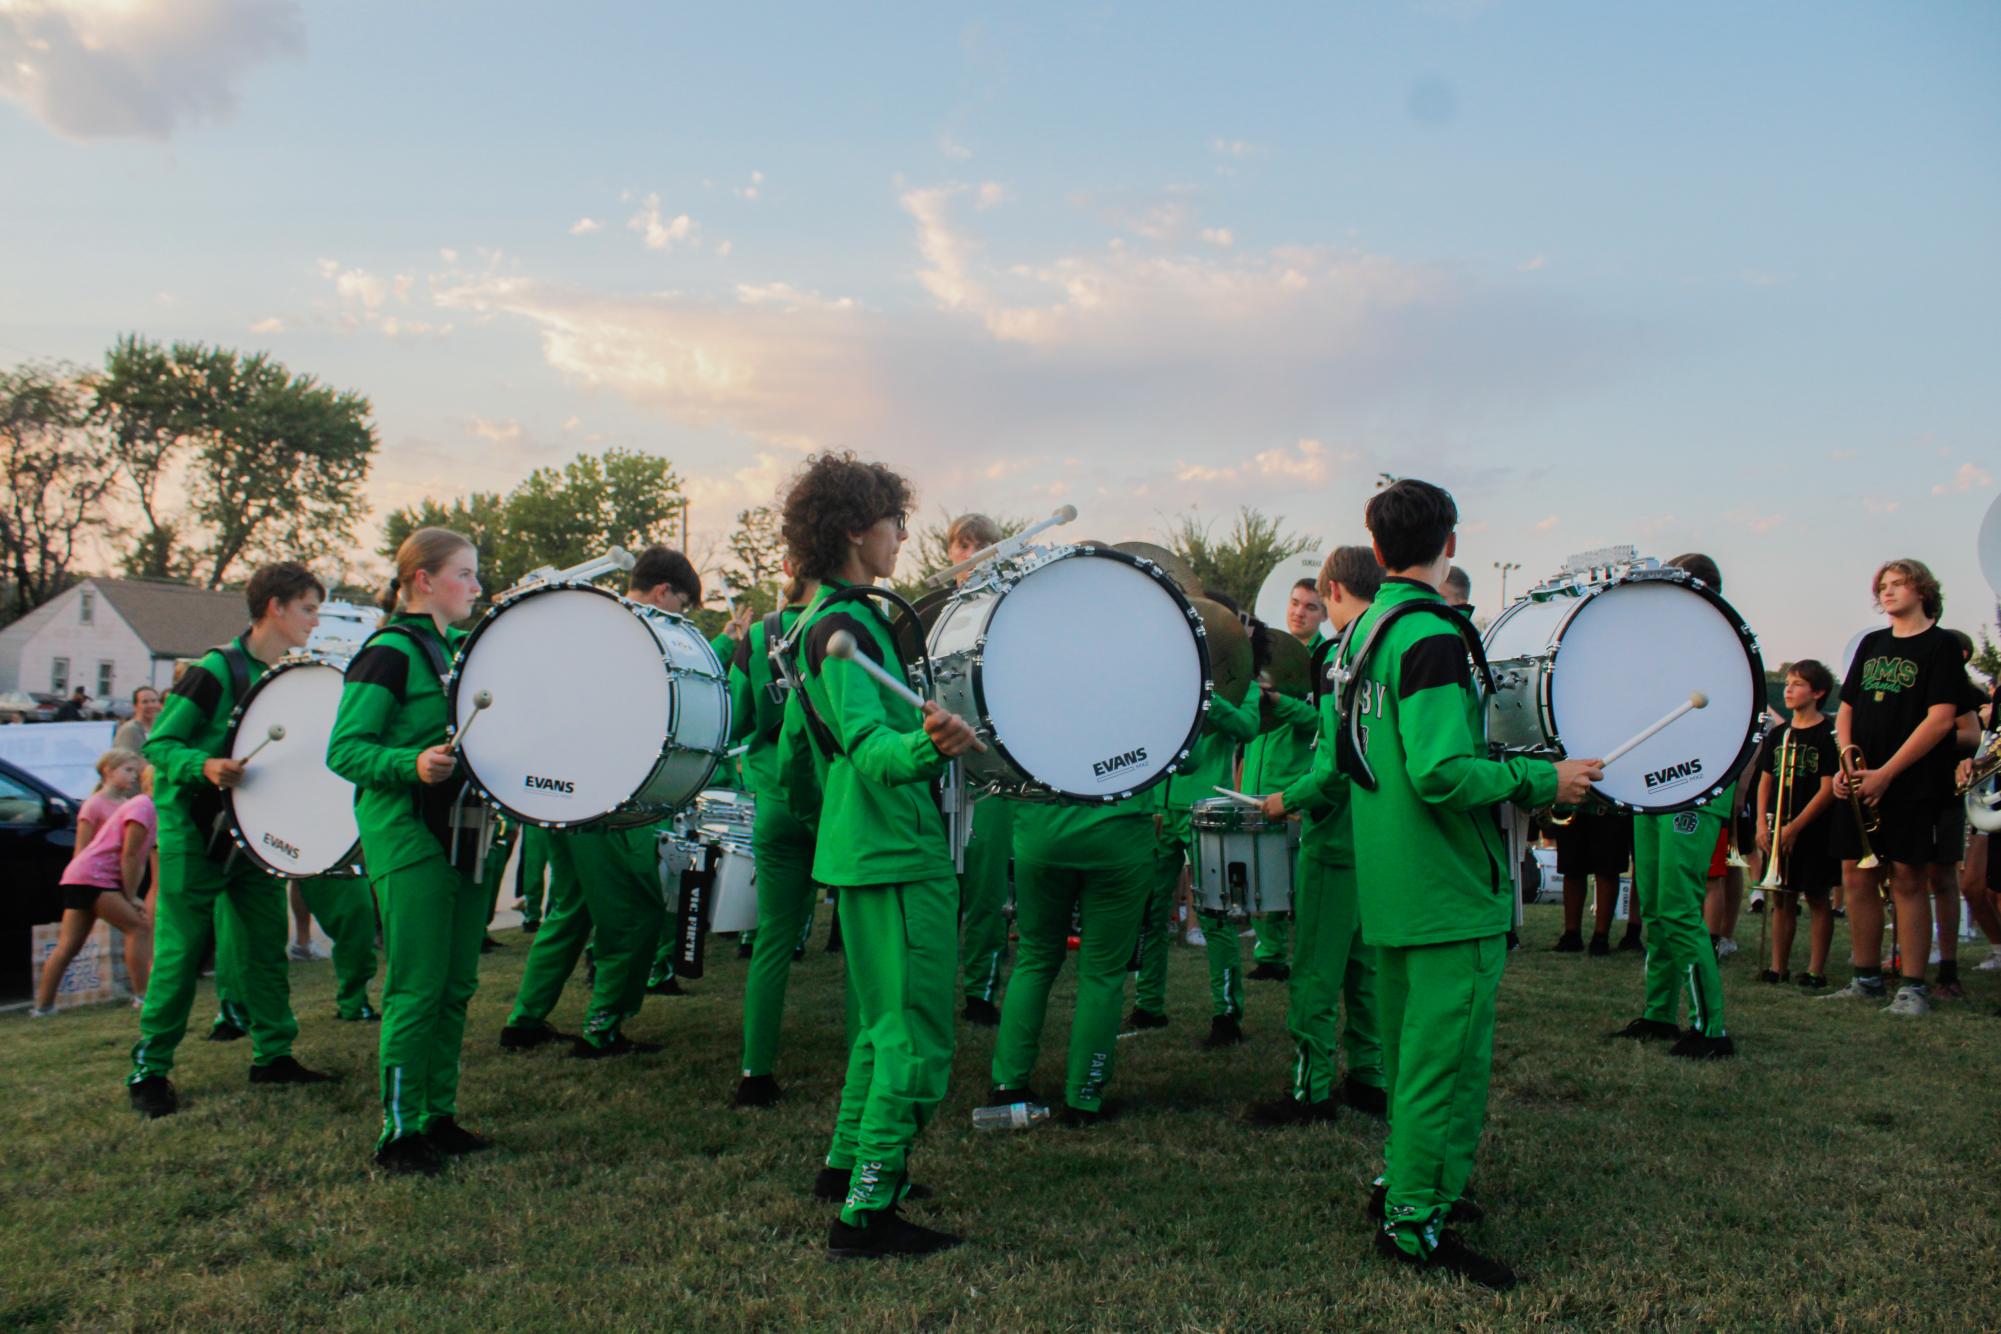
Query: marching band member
pixel 1799 837
pixel 1331 958
pixel 389 739
pixel 881 845
pixel 1436 891
pixel 781 839
pixel 983 884
pixel 1281 752
pixel 199 876
pixel 1671 865
pixel 1898 707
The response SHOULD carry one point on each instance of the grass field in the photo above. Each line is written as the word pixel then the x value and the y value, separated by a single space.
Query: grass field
pixel 1841 1173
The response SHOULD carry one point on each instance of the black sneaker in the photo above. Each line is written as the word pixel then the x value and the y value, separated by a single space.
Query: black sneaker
pixel 153 1097
pixel 1364 1098
pixel 1145 1019
pixel 621 1045
pixel 1699 1048
pixel 743 949
pixel 756 1091
pixel 1599 947
pixel 1463 1210
pixel 1224 1031
pixel 411 1155
pixel 982 1012
pixel 1290 1112
pixel 886 1233
pixel 1270 972
pixel 1631 941
pixel 1647 1030
pixel 285 1070
pixel 487 945
pixel 450 1138
pixel 1078 1118
pixel 799 955
pixel 522 1037
pixel 1514 941
pixel 1452 1256
pixel 530 928
pixel 1570 942
pixel 368 1015
pixel 1813 981
pixel 224 1031
pixel 666 986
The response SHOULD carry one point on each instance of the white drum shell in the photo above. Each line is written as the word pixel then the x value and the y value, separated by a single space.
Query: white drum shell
pixel 1087 676
pixel 291 815
pixel 603 709
pixel 1244 873
pixel 1585 670
pixel 734 892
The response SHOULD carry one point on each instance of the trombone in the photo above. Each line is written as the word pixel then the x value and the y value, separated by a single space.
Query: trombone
pixel 1853 761
pixel 1782 795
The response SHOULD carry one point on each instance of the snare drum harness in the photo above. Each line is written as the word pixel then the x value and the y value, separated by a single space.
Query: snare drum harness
pixel 450 813
pixel 1334 671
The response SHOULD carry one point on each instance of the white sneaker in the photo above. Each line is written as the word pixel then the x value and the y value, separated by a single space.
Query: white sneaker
pixel 1195 939
pixel 304 953
pixel 1725 948
pixel 1990 964
pixel 138 1002
pixel 1911 1001
pixel 1854 991
pixel 1936 959
pixel 36 1012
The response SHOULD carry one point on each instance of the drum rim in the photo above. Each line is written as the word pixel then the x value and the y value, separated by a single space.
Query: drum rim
pixel 625 807
pixel 976 674
pixel 349 864
pixel 1669 574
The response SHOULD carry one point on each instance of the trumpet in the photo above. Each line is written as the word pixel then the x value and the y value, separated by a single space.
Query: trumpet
pixel 1782 790
pixel 1982 788
pixel 1853 761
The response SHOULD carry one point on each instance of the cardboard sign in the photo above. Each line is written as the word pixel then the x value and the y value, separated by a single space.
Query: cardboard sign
pixel 95 975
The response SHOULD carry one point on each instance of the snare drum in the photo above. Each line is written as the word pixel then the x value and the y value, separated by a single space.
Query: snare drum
pixel 735 892
pixel 1581 666
pixel 291 814
pixel 603 709
pixel 1243 861
pixel 1084 669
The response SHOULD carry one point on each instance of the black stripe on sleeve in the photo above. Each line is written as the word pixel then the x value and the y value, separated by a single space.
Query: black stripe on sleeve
pixel 1435 660
pixel 200 688
pixel 741 658
pixel 381 665
pixel 824 630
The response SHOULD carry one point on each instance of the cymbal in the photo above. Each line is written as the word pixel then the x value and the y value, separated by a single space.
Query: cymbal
pixel 1290 671
pixel 1179 570
pixel 1229 649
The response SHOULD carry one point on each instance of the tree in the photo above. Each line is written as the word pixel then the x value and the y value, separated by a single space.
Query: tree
pixel 756 569
pixel 481 516
pixel 1239 564
pixel 273 463
pixel 56 472
pixel 1988 660
pixel 928 548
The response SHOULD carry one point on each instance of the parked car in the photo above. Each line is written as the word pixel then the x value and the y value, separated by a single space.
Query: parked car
pixel 37 836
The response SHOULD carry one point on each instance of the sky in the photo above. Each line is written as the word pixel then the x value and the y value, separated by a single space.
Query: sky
pixel 1703 276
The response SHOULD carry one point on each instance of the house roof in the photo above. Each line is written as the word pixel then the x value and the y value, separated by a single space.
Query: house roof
pixel 175 620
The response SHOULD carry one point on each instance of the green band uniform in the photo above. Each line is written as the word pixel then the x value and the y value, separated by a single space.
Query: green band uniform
pixel 1211 763
pixel 604 891
pixel 983 897
pixel 1671 857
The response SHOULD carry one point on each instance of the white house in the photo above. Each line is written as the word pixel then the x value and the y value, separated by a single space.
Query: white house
pixel 112 636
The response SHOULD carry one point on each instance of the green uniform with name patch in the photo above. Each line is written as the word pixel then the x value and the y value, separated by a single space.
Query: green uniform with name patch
pixel 1437 897
pixel 393 708
pixel 1671 856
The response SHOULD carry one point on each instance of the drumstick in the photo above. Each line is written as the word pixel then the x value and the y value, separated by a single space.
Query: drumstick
pixel 1061 515
pixel 842 645
pixel 1244 797
pixel 276 733
pixel 1697 700
pixel 480 700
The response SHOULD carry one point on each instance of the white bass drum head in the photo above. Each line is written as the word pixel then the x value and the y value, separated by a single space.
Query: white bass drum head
pixel 292 814
pixel 1092 675
pixel 581 698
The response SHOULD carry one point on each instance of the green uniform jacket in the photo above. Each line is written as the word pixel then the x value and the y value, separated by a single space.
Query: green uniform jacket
pixel 391 709
pixel 1428 846
pixel 187 734
pixel 1088 838
pixel 1321 796
pixel 755 717
pixel 878 823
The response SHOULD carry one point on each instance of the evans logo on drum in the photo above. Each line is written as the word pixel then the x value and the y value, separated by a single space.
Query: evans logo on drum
pixel 559 787
pixel 1674 775
pixel 1105 768
pixel 273 841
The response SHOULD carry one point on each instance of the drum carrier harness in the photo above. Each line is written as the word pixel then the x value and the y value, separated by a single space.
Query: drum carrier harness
pixel 1334 673
pixel 444 811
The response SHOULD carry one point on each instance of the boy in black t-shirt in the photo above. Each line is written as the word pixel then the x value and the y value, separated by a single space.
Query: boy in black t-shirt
pixel 1897 706
pixel 1798 835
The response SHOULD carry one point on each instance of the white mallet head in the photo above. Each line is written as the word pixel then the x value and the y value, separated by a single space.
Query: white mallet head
pixel 275 732
pixel 842 644
pixel 1698 699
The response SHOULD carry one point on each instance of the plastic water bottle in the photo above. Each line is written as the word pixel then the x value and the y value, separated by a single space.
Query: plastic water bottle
pixel 1009 1116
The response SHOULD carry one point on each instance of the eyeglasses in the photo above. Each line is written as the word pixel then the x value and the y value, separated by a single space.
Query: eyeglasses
pixel 902 518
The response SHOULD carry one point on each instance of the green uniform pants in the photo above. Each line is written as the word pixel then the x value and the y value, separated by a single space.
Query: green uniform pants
pixel 1331 962
pixel 784 848
pixel 605 881
pixel 493 867
pixel 983 898
pixel 1671 855
pixel 1109 903
pixel 1275 931
pixel 1155 932
pixel 345 907
pixel 531 876
pixel 433 919
pixel 901 944
pixel 1438 1052
pixel 194 892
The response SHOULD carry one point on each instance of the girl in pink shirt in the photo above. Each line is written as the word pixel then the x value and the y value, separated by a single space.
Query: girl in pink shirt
pixel 117 779
pixel 104 880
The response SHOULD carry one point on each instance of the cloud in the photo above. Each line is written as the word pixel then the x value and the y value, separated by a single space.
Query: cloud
pixel 662 234
pixel 500 433
pixel 1757 523
pixel 1970 477
pixel 365 301
pixel 585 226
pixel 750 190
pixel 952 148
pixel 723 250
pixel 138 69
pixel 1220 237
pixel 1306 462
pixel 1877 505
pixel 270 324
pixel 1532 265
pixel 1841 455
pixel 1235 148
pixel 1546 524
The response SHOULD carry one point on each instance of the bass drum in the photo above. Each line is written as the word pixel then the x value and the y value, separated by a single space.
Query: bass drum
pixel 1581 668
pixel 291 815
pixel 602 709
pixel 1084 669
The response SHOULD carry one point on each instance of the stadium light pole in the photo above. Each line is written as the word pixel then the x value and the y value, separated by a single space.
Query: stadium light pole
pixel 1504 566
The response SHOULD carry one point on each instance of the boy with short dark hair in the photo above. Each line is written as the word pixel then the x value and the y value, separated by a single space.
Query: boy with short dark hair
pixel 1802 754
